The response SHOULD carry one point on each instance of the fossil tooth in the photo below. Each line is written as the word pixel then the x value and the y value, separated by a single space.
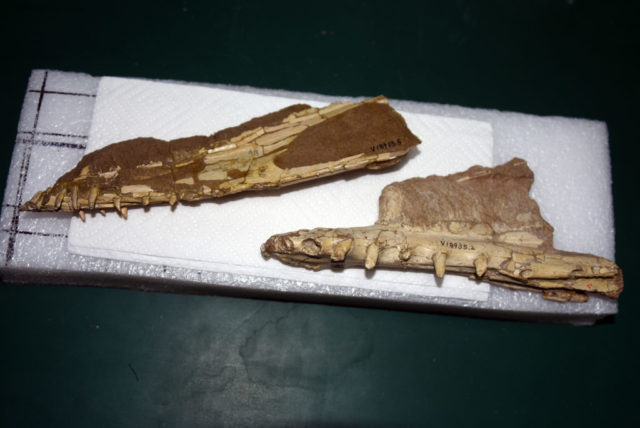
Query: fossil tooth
pixel 60 197
pixel 37 200
pixel 93 195
pixel 103 212
pixel 481 220
pixel 124 212
pixel 371 256
pixel 116 204
pixel 340 250
pixel 480 264
pixel 440 263
pixel 292 145
pixel 74 198
pixel 81 214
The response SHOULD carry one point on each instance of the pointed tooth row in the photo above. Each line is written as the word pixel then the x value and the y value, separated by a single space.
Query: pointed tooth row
pixel 72 198
pixel 440 264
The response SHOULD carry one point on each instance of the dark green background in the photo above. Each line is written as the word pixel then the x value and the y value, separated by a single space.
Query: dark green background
pixel 98 357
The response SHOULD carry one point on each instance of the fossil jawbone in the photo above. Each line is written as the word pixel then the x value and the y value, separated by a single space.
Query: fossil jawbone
pixel 480 223
pixel 296 144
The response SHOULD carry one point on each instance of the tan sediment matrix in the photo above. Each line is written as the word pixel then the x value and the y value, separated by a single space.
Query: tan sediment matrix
pixel 481 223
pixel 293 145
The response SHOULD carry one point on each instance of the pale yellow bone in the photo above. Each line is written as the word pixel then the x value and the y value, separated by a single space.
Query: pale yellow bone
pixel 479 223
pixel 252 159
pixel 440 263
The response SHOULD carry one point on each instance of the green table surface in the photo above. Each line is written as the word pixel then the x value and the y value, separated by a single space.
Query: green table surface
pixel 76 356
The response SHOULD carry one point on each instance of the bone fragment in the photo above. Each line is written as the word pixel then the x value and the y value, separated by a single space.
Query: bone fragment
pixel 293 145
pixel 480 223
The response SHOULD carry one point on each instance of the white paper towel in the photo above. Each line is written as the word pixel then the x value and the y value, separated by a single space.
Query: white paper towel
pixel 225 235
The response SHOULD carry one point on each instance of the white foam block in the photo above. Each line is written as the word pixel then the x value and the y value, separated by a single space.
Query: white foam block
pixel 569 157
pixel 225 235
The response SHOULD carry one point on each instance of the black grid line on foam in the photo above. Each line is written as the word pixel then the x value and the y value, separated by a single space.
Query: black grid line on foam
pixel 15 217
pixel 54 134
pixel 48 143
pixel 27 139
pixel 74 94
pixel 22 179
pixel 25 232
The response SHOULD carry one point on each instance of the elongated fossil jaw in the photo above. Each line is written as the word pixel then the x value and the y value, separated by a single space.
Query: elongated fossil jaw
pixel 480 222
pixel 290 146
pixel 559 275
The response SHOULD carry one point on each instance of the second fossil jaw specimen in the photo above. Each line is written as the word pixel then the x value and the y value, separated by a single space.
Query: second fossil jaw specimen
pixel 480 222
pixel 296 144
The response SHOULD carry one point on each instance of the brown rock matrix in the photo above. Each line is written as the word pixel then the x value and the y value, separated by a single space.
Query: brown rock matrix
pixel 480 222
pixel 295 144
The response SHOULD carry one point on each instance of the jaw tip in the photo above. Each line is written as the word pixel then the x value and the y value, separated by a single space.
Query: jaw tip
pixel 263 250
pixel 277 244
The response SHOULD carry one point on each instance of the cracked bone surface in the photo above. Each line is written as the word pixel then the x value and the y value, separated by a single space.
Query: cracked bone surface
pixel 295 144
pixel 480 222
